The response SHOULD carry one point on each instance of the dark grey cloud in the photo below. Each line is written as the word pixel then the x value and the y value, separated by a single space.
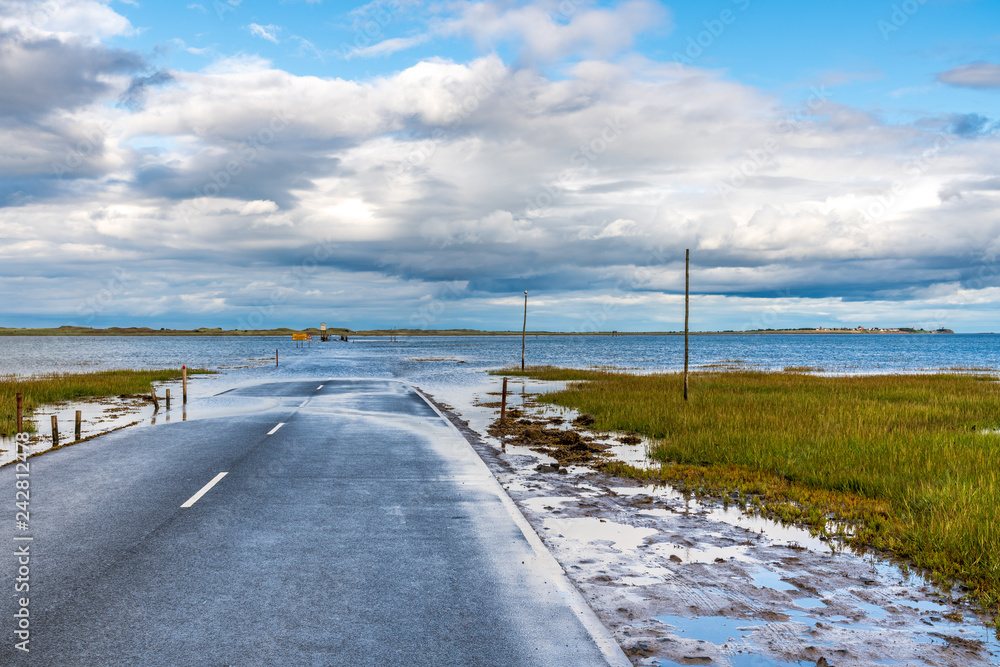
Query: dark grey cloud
pixel 41 75
pixel 971 125
pixel 135 95
pixel 974 75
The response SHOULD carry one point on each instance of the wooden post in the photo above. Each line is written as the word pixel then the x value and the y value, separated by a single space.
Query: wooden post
pixel 687 298
pixel 79 423
pixel 275 357
pixel 156 402
pixel 168 399
pixel 55 431
pixel 184 395
pixel 503 400
pixel 20 413
pixel 524 327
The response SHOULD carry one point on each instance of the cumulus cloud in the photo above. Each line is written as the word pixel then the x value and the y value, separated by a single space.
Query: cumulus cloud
pixel 552 30
pixel 975 75
pixel 258 206
pixel 483 177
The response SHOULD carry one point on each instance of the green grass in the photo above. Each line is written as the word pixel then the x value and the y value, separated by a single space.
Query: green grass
pixel 40 390
pixel 902 458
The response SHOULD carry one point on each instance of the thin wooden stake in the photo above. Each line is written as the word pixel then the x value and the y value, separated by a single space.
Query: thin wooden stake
pixel 184 397
pixel 503 400
pixel 168 399
pixel 524 327
pixel 275 357
pixel 687 298
pixel 156 402
pixel 79 424
pixel 55 431
pixel 20 413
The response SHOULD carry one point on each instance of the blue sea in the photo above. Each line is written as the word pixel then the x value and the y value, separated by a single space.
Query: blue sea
pixel 411 357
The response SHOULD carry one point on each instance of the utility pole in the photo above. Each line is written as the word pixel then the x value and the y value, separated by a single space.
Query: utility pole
pixel 524 327
pixel 687 299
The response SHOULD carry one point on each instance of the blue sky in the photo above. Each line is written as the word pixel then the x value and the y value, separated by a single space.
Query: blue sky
pixel 407 163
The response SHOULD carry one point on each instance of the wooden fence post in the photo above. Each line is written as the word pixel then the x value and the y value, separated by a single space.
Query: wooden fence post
pixel 503 401
pixel 184 370
pixel 55 431
pixel 20 413
pixel 168 399
pixel 79 424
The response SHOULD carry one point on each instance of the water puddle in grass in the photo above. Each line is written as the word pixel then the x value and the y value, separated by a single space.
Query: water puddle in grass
pixel 100 415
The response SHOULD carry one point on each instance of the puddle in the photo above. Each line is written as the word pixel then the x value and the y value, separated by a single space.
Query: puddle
pixel 766 579
pixel 810 603
pixel 701 553
pixel 592 529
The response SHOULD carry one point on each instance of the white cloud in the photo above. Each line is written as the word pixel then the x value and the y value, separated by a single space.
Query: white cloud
pixel 268 32
pixel 258 207
pixel 493 176
pixel 551 30
pixel 390 46
pixel 975 75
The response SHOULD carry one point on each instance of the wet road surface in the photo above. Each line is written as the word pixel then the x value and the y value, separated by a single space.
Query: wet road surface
pixel 352 526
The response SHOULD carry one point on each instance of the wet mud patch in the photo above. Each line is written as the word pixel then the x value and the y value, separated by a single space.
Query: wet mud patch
pixel 659 566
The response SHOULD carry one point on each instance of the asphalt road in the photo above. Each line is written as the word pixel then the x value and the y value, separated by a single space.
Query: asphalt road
pixel 363 531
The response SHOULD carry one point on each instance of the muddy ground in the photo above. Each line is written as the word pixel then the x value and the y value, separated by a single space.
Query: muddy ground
pixel 687 581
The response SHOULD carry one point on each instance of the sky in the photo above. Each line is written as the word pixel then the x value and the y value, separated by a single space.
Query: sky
pixel 413 164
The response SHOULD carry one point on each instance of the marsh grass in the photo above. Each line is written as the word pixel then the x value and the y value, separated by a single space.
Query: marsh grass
pixel 43 389
pixel 908 461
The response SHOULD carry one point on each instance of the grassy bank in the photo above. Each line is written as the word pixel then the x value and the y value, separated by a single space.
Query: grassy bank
pixel 45 389
pixel 903 458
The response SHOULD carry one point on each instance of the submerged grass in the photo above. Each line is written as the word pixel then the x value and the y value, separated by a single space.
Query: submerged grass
pixel 911 462
pixel 39 390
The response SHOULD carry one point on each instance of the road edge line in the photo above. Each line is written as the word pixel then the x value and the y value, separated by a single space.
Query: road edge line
pixel 591 622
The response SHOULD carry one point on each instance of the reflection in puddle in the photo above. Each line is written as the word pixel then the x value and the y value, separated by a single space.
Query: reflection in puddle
pixel 700 553
pixel 766 579
pixel 590 529
pixel 718 630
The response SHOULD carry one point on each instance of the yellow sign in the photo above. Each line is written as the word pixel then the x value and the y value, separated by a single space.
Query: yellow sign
pixel 300 336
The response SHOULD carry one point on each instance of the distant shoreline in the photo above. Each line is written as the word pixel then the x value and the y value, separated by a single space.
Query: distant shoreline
pixel 336 333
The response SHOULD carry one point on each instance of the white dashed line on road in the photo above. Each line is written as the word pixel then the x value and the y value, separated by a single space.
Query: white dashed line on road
pixel 271 432
pixel 191 501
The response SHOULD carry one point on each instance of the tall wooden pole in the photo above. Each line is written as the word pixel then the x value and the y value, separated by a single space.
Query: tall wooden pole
pixel 524 327
pixel 20 413
pixel 687 299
